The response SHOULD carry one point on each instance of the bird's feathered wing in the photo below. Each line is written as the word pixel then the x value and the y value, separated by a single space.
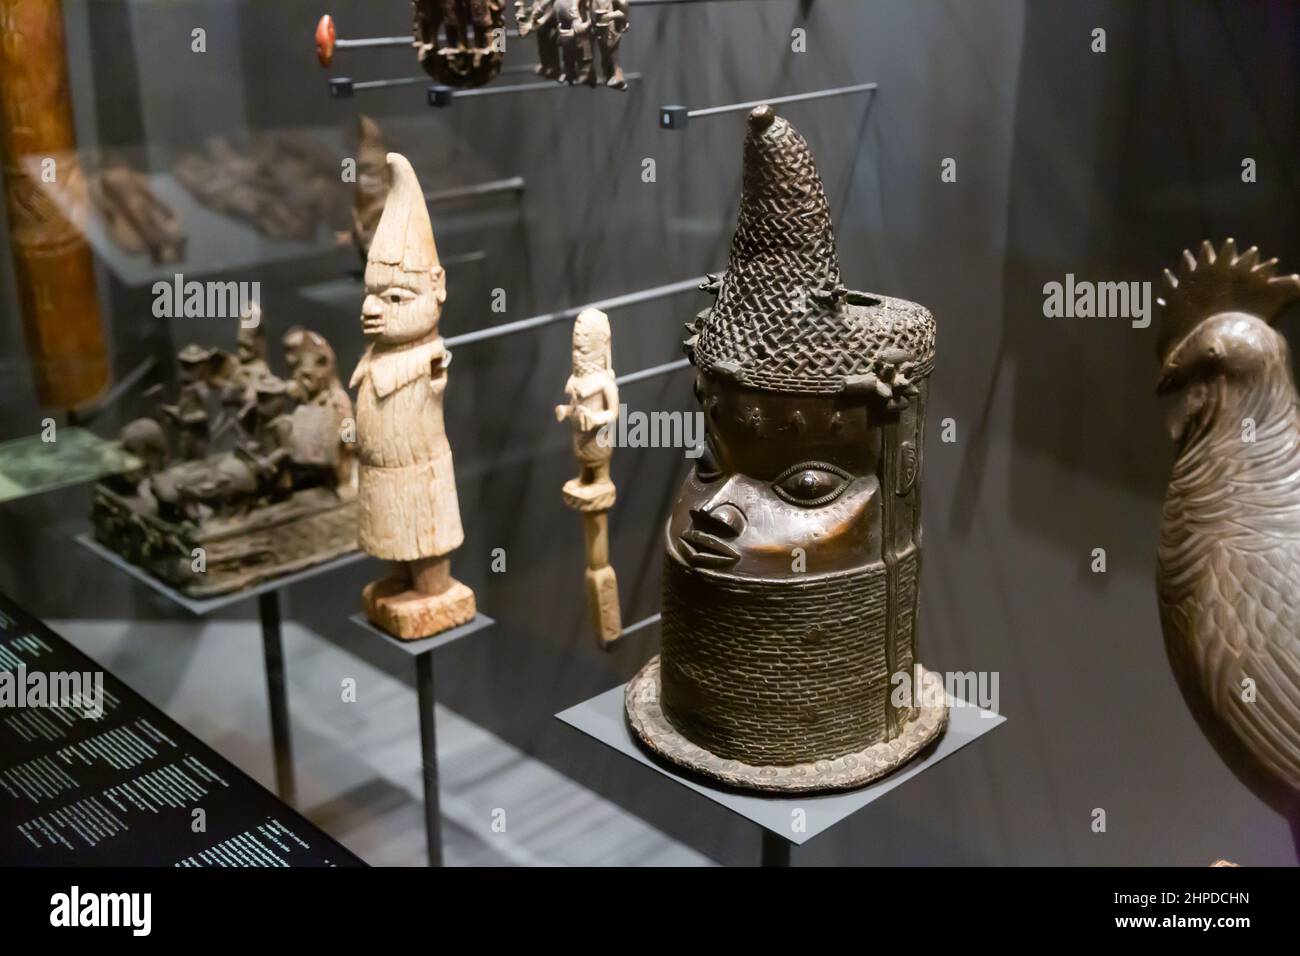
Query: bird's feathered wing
pixel 1229 616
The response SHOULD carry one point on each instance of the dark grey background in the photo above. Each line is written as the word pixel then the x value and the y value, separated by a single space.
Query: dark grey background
pixel 1103 165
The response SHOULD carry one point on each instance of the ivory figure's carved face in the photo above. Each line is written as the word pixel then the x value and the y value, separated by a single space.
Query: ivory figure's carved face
pixel 401 306
pixel 779 473
pixel 591 344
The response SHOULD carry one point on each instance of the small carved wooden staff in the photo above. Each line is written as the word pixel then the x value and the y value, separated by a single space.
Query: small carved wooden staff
pixel 591 409
pixel 52 263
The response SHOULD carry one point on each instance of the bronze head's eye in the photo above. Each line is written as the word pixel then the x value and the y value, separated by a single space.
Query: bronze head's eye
pixel 812 484
pixel 706 466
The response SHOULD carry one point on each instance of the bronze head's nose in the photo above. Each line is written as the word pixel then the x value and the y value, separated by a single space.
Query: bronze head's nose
pixel 725 520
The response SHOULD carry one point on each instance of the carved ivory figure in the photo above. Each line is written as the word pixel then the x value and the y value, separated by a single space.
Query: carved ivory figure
pixel 591 410
pixel 409 511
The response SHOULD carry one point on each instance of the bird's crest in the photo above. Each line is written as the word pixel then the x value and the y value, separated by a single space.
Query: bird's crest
pixel 1210 283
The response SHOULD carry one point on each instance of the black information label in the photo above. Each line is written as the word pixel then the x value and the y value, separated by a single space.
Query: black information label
pixel 92 774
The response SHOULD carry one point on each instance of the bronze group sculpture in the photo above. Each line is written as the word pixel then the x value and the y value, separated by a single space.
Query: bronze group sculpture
pixel 572 34
pixel 591 409
pixel 1228 577
pixel 793 552
pixel 537 18
pixel 243 478
pixel 409 510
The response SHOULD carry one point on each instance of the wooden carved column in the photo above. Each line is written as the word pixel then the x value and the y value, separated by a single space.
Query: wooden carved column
pixel 52 262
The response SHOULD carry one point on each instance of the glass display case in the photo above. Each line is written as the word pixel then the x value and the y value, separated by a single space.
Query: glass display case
pixel 242 242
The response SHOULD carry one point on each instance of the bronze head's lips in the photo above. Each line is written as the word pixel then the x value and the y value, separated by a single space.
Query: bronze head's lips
pixel 706 551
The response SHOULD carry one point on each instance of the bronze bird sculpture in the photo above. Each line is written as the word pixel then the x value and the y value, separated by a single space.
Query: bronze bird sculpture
pixel 1228 577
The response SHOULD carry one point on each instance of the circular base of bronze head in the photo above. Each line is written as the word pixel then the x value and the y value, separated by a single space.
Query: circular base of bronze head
pixel 641 703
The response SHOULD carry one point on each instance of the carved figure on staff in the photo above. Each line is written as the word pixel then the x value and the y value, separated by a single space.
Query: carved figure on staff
pixel 591 409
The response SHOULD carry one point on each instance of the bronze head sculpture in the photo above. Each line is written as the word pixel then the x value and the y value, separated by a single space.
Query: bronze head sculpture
pixel 793 552
pixel 1228 575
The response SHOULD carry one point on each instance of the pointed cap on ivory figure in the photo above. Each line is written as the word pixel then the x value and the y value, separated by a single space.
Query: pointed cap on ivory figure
pixel 404 236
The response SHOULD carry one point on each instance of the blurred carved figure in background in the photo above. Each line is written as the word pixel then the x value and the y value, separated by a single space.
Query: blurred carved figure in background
pixel 1229 561
pixel 373 182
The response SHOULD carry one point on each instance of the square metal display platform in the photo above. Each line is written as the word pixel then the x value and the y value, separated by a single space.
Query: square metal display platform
pixel 602 717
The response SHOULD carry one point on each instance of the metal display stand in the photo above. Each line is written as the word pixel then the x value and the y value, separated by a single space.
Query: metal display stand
pixel 422 651
pixel 270 613
pixel 393 651
pixel 602 717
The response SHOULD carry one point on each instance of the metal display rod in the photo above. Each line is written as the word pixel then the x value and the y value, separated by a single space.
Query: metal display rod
pixel 344 87
pixel 657 370
pixel 444 95
pixel 515 184
pixel 372 41
pixel 547 318
pixel 644 622
pixel 328 40
pixel 678 117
